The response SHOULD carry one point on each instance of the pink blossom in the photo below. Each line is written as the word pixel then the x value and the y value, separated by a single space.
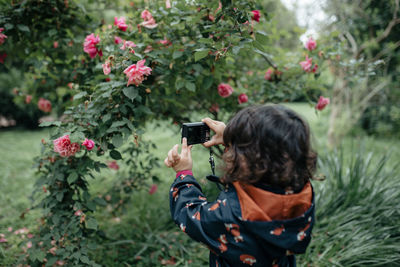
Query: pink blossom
pixel 268 74
pixel 128 44
pixel 29 236
pixel 78 213
pixel 29 244
pixel 118 40
pixel 214 108
pixel 3 57
pixel 44 105
pixel 148 49
pixel 120 23
pixel 113 165
pixel 3 240
pixel 88 143
pixel 2 36
pixel 168 4
pixel 89 46
pixel 311 44
pixel 243 98
pixel 165 42
pixel 146 15
pixel 149 21
pixel 28 99
pixel 256 15
pixel 136 72
pixel 55 44
pixel 321 54
pixel 153 189
pixel 322 103
pixel 9 229
pixel 64 147
pixel 106 67
pixel 315 68
pixel 60 263
pixel 306 65
pixel 224 90
pixel 70 85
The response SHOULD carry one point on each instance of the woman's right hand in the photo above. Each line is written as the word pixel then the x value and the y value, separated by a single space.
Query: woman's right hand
pixel 218 127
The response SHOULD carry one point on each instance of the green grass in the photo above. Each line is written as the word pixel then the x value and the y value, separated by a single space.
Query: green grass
pixel 145 225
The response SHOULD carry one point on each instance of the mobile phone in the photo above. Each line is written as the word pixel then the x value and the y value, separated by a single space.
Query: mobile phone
pixel 195 132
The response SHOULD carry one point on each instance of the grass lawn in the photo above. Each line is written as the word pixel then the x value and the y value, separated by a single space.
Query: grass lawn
pixel 144 227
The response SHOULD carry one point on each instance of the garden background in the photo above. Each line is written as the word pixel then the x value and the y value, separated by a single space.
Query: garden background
pixel 115 79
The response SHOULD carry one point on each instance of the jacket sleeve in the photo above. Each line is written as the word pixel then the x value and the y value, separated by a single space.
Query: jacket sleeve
pixel 201 220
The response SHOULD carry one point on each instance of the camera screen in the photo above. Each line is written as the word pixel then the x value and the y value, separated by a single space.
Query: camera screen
pixel 196 132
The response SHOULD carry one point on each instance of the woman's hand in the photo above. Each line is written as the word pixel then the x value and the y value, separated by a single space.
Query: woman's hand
pixel 180 162
pixel 218 127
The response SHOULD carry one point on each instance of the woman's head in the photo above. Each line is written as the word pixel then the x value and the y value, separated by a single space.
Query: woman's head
pixel 269 144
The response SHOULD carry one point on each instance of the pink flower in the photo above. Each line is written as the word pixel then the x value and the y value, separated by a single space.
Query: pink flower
pixel 88 143
pixel 113 165
pixel 3 57
pixel 153 189
pixel 64 147
pixel 9 229
pixel 78 213
pixel 44 105
pixel 306 65
pixel 256 15
pixel 148 49
pixel 315 68
pixel 224 90
pixel 149 21
pixel 128 44
pixel 89 46
pixel 2 36
pixel 118 40
pixel 28 99
pixel 165 42
pixel 120 23
pixel 214 108
pixel 136 72
pixel 29 244
pixel 268 74
pixel 243 98
pixel 146 15
pixel 29 236
pixel 168 4
pixel 322 103
pixel 311 44
pixel 55 44
pixel 3 240
pixel 106 67
pixel 70 85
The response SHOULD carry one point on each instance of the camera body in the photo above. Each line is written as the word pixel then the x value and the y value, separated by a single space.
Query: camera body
pixel 195 132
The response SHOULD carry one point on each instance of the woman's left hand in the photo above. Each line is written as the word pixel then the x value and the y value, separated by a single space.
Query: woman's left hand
pixel 182 161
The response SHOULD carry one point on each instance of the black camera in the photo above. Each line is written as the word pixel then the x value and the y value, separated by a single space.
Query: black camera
pixel 195 132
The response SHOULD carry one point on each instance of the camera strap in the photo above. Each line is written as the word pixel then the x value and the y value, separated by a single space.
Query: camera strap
pixel 213 177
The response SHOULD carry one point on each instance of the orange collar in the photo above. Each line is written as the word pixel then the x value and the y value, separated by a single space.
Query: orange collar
pixel 257 204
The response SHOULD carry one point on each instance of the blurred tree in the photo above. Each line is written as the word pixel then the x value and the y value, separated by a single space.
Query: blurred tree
pixel 367 81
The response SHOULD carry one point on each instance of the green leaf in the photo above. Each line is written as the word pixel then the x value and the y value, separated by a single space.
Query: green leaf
pixel 91 223
pixel 59 196
pixel 115 155
pixel 205 40
pixel 131 92
pixel 200 54
pixel 85 259
pixel 72 177
pixel 261 37
pixel 8 26
pixel 80 95
pixel 177 54
pixel 106 117
pixel 77 137
pixel 49 123
pixel 190 86
pixel 23 28
pixel 100 201
pixel 207 82
pixel 117 124
pixel 117 140
pixel 258 46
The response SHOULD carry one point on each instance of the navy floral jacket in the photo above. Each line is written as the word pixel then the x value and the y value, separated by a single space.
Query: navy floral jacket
pixel 246 225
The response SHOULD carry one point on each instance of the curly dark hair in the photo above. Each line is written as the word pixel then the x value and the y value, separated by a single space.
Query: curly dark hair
pixel 269 145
